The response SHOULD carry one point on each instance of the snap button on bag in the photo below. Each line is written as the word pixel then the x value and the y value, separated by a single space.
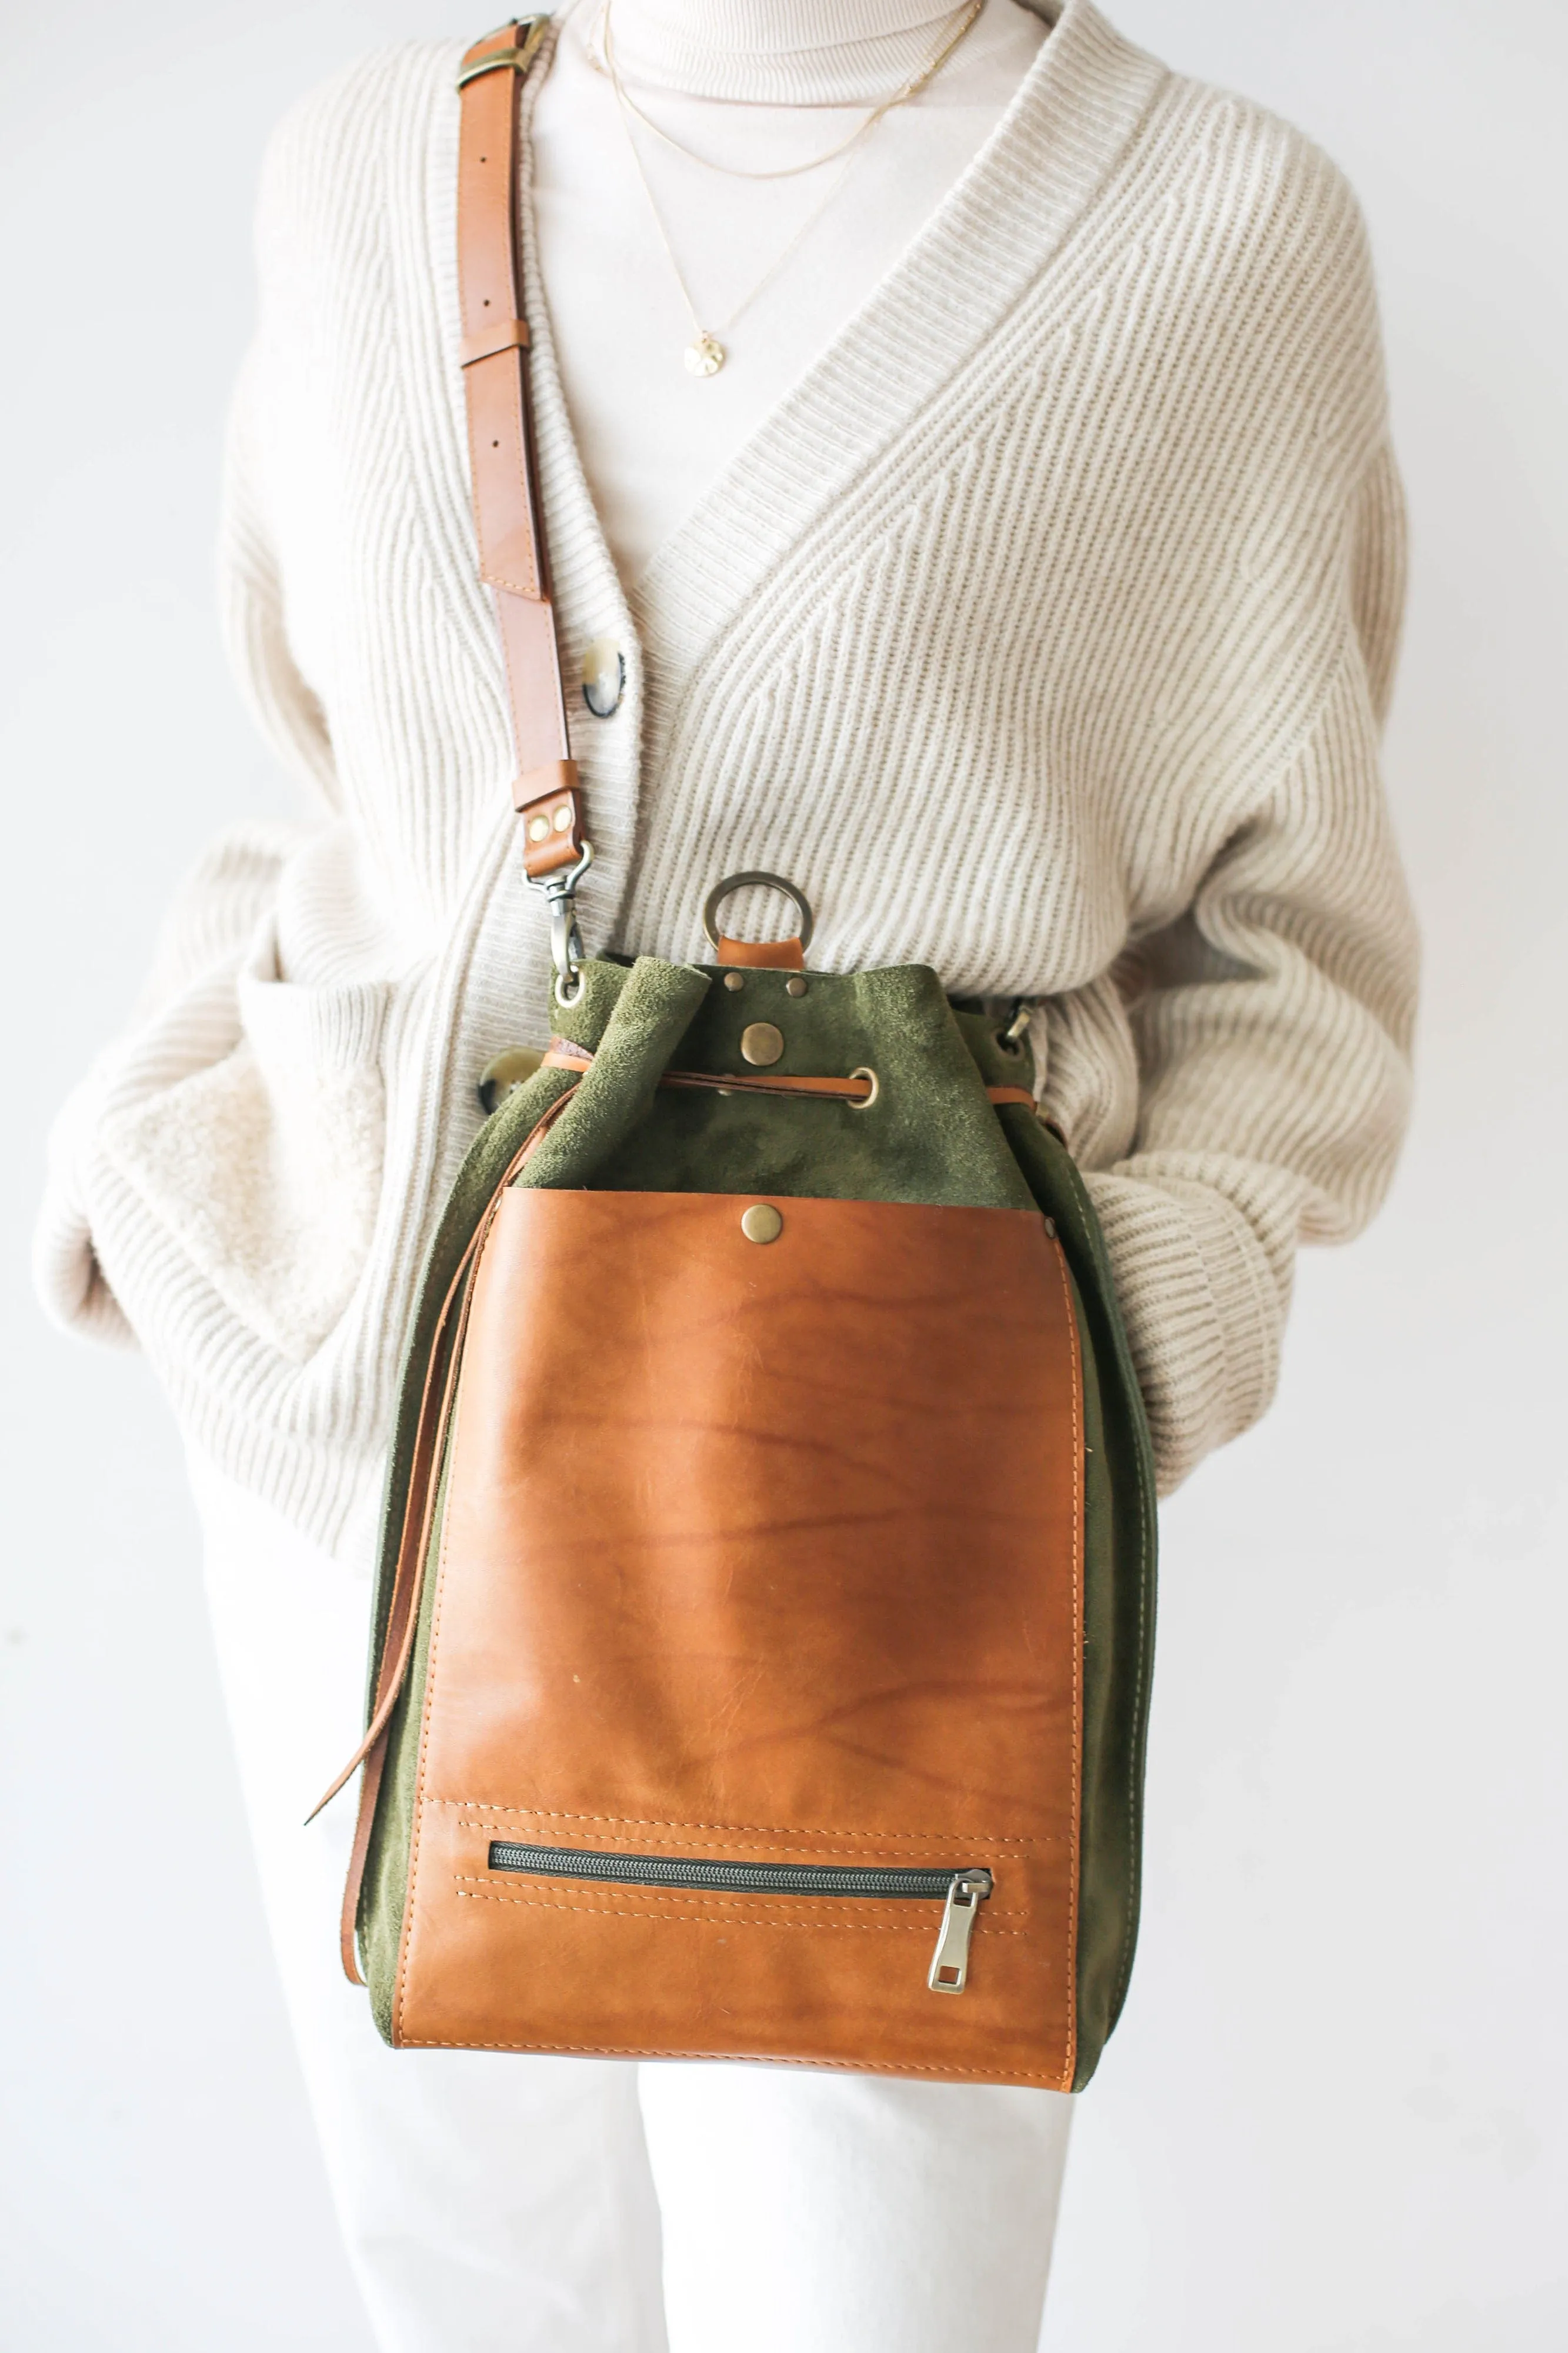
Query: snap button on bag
pixel 762 1042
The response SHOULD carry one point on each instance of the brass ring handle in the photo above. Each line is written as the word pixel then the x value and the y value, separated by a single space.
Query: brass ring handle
pixel 722 891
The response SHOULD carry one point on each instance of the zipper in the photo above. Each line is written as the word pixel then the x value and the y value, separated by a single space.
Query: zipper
pixel 960 1893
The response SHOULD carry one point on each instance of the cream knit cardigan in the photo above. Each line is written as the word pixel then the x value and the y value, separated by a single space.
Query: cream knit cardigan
pixel 1042 634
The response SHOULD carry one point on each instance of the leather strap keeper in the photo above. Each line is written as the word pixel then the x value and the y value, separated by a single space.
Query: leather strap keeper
pixel 771 955
pixel 508 335
pixel 552 817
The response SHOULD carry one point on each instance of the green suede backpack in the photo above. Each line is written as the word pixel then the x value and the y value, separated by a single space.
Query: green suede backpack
pixel 769 1557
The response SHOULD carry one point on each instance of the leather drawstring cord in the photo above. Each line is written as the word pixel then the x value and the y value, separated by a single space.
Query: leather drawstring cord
pixel 854 1090
pixel 408 1582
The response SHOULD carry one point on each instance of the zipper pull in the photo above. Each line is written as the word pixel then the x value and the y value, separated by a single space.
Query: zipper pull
pixel 949 1962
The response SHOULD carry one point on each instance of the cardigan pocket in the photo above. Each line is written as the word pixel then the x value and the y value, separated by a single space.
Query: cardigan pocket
pixel 268 1164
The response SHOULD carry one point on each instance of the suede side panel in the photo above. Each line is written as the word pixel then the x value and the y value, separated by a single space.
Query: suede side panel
pixel 1120 1597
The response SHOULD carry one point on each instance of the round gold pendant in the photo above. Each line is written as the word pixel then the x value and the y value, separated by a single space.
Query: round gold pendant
pixel 705 356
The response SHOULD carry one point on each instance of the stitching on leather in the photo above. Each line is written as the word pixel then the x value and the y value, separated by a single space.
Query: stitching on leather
pixel 1125 1965
pixel 410 1908
pixel 496 1883
pixel 771 2058
pixel 514 455
pixel 1075 1847
pixel 446 1446
pixel 1124 1962
pixel 477 1893
pixel 761 1830
pixel 694 1846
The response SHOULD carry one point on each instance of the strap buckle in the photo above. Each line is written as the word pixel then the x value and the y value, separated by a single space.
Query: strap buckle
pixel 530 31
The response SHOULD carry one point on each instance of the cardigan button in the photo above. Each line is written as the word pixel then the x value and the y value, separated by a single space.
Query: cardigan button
pixel 604 677
pixel 514 1068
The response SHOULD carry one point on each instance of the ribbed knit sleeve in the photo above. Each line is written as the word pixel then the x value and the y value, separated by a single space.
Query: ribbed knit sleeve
pixel 185 1015
pixel 185 1018
pixel 1273 1033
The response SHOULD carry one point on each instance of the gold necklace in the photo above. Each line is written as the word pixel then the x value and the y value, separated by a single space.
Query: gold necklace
pixel 967 14
pixel 706 354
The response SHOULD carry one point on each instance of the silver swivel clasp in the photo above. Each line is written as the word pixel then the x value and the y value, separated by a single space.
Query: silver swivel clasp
pixel 566 951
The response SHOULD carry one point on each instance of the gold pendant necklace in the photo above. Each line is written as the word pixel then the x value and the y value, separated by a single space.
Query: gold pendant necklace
pixel 706 354
pixel 966 13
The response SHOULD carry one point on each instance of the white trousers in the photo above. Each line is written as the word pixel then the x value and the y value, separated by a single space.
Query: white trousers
pixel 598 2206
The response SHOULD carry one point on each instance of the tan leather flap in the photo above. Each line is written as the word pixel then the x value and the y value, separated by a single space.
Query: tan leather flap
pixel 769 1549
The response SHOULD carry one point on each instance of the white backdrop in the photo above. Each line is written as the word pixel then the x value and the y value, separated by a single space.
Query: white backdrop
pixel 1334 2120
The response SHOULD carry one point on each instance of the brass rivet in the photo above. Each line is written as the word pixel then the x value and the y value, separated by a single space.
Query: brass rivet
pixel 795 984
pixel 733 980
pixel 1051 1227
pixel 762 1223
pixel 761 1043
pixel 538 827
pixel 563 818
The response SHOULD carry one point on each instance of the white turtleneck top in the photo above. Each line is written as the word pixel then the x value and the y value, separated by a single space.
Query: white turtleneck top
pixel 755 83
pixel 1026 590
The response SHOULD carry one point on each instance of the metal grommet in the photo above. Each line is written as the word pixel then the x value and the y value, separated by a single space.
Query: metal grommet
pixel 755 881
pixel 762 1223
pixel 866 1100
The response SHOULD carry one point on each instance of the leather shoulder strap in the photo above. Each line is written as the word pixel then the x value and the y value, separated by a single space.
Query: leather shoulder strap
pixel 507 508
